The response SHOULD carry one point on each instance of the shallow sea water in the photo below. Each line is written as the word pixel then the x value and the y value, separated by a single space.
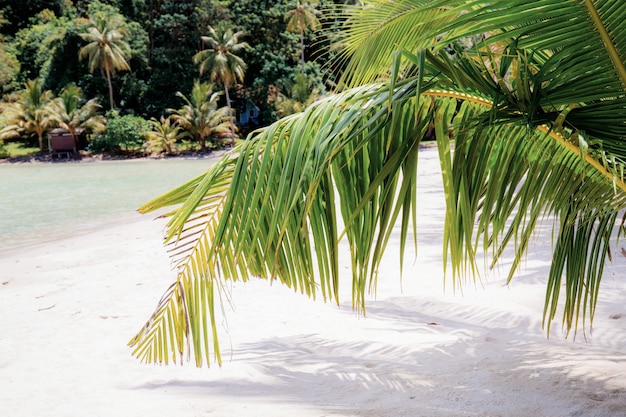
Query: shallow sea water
pixel 44 202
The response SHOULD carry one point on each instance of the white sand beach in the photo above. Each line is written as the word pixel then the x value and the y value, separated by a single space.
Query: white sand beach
pixel 69 307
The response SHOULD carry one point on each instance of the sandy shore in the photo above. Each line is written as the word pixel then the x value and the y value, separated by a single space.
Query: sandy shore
pixel 69 308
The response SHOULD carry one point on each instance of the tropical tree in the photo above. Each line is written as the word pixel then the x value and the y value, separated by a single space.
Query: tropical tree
pixel 163 136
pixel 106 48
pixel 123 134
pixel 32 112
pixel 221 59
pixel 9 65
pixel 301 94
pixel 74 116
pixel 200 116
pixel 301 19
pixel 537 110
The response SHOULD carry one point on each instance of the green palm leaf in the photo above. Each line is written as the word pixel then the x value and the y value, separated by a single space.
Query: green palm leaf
pixel 538 128
pixel 32 112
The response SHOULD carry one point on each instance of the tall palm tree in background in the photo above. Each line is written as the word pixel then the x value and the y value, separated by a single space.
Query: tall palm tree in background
pixel 74 116
pixel 107 49
pixel 9 64
pixel 32 112
pixel 222 61
pixel 300 20
pixel 200 116
pixel 537 110
pixel 299 95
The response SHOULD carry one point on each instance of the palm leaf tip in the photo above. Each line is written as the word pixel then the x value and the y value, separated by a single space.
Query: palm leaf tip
pixel 270 212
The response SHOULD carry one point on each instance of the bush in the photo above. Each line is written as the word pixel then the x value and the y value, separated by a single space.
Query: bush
pixel 123 135
pixel 4 152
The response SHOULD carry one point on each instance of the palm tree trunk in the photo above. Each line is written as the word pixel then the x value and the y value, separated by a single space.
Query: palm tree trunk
pixel 108 73
pixel 230 112
pixel 40 137
pixel 202 140
pixel 75 137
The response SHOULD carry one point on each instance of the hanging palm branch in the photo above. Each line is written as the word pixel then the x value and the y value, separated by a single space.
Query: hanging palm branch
pixel 536 113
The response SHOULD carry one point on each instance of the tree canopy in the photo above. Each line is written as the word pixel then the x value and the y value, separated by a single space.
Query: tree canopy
pixel 106 49
pixel 31 112
pixel 43 41
pixel 221 59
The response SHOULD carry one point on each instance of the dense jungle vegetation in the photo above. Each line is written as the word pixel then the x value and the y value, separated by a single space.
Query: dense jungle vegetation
pixel 153 63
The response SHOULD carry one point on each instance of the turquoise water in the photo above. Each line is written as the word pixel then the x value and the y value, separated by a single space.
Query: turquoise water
pixel 43 202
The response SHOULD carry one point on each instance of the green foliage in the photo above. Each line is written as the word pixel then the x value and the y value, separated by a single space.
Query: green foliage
pixel 301 93
pixel 163 36
pixel 18 14
pixel 174 31
pixel 37 44
pixel 18 148
pixel 221 58
pixel 163 136
pixel 301 19
pixel 4 151
pixel 274 52
pixel 200 115
pixel 63 66
pixel 123 135
pixel 107 48
pixel 134 10
pixel 536 140
pixel 74 114
pixel 135 35
pixel 49 49
pixel 222 61
pixel 31 113
pixel 9 64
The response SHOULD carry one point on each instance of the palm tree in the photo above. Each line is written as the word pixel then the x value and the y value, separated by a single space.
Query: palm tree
pixel 74 116
pixel 32 112
pixel 300 20
pixel 537 111
pixel 163 135
pixel 222 61
pixel 9 64
pixel 301 94
pixel 107 48
pixel 200 115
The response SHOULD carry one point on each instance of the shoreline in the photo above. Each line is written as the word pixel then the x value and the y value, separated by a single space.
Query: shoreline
pixel 42 201
pixel 84 157
pixel 62 234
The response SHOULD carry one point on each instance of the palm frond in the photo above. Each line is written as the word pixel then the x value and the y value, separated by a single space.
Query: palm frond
pixel 528 145
pixel 268 209
pixel 283 213
pixel 571 31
